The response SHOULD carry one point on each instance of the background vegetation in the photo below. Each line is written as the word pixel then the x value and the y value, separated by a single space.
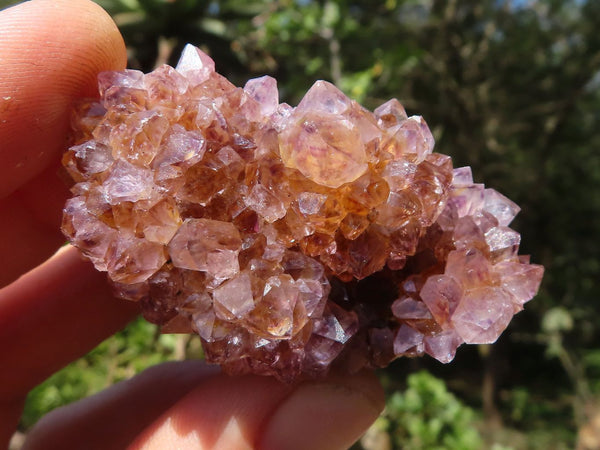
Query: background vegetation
pixel 508 87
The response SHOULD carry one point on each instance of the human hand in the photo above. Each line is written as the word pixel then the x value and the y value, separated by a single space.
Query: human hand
pixel 50 54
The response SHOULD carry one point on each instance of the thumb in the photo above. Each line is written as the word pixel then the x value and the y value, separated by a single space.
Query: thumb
pixel 50 54
pixel 257 412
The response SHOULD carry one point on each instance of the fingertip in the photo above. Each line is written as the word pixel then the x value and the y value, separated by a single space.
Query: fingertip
pixel 75 39
pixel 51 53
pixel 328 415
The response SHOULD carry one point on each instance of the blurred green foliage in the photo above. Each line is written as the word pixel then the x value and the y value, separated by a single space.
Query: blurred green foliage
pixel 426 416
pixel 510 87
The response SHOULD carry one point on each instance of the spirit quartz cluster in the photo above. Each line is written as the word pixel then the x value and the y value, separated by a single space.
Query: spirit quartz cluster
pixel 289 239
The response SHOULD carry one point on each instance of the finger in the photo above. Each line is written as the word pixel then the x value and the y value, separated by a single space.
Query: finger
pixel 50 54
pixel 258 412
pixel 114 417
pixel 221 413
pixel 30 225
pixel 325 416
pixel 53 315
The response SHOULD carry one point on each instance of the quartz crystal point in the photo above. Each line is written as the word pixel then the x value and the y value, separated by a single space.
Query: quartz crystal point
pixel 289 239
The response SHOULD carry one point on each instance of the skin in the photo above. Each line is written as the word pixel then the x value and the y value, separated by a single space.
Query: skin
pixel 54 307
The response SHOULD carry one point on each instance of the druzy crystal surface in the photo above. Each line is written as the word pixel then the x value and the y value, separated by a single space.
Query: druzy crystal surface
pixel 289 239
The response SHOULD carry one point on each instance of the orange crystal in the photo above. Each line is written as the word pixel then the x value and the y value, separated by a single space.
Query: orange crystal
pixel 289 239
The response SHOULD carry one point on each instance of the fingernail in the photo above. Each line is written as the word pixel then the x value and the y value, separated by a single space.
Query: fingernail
pixel 325 415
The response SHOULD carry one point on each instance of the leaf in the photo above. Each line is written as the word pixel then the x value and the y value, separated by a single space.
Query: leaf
pixel 557 320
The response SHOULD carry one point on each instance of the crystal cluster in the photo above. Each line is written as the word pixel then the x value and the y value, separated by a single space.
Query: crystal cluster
pixel 289 239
